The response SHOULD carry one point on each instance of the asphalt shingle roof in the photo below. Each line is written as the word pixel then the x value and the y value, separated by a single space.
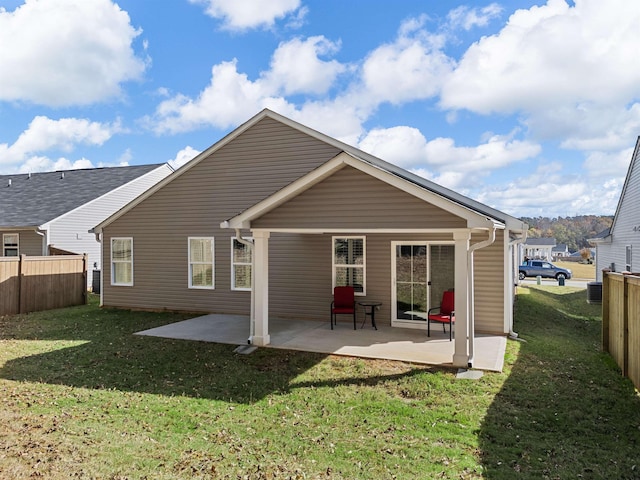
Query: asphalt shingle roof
pixel 32 200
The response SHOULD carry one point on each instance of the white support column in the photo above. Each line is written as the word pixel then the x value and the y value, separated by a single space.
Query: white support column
pixel 260 292
pixel 461 346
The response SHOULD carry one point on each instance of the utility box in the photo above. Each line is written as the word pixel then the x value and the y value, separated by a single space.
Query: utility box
pixel 594 292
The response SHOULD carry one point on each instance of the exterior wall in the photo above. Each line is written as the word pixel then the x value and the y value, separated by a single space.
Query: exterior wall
pixel 256 164
pixel 604 259
pixel 489 266
pixel 259 162
pixel 626 227
pixel 353 199
pixel 30 243
pixel 71 231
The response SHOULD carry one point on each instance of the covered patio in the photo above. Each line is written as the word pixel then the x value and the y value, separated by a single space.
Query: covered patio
pixel 408 345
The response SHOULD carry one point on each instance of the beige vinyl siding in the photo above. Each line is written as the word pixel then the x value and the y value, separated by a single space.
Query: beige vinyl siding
pixel 259 162
pixel 30 243
pixel 489 285
pixel 352 199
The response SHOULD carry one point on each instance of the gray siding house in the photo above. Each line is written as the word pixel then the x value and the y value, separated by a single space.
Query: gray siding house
pixel 55 210
pixel 269 219
pixel 539 248
pixel 617 246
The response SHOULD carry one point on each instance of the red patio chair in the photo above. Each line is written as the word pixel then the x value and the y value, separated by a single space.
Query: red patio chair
pixel 344 302
pixel 444 314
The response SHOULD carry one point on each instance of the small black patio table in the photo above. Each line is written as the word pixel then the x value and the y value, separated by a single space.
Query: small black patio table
pixel 370 310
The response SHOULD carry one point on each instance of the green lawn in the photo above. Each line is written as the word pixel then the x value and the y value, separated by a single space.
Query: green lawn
pixel 83 398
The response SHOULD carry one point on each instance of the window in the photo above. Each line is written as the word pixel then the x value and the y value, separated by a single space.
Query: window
pixel 10 244
pixel 201 262
pixel 122 261
pixel 628 258
pixel 241 261
pixel 349 263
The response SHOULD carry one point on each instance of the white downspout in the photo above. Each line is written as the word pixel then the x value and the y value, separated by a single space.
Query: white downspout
pixel 472 310
pixel 252 316
pixel 43 234
pixel 515 260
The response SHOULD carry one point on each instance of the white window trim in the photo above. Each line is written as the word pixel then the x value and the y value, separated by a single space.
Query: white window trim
pixel 113 279
pixel 363 266
pixel 233 264
pixel 4 243
pixel 213 264
pixel 628 257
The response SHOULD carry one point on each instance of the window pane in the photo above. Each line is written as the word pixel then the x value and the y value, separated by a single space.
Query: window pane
pixel 242 276
pixel 349 251
pixel 11 240
pixel 122 273
pixel 241 252
pixel 350 276
pixel 201 250
pixel 10 252
pixel 121 250
pixel 202 275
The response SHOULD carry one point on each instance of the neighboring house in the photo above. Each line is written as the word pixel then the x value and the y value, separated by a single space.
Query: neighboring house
pixel 560 250
pixel 269 219
pixel 618 248
pixel 538 248
pixel 54 211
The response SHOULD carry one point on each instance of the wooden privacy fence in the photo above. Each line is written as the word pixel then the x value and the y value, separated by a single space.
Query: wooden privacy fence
pixel 621 322
pixel 30 284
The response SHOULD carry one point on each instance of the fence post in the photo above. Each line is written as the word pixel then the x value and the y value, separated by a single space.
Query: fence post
pixel 85 262
pixel 605 311
pixel 625 328
pixel 21 261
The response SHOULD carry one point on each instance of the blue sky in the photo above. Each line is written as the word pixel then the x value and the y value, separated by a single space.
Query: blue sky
pixel 530 107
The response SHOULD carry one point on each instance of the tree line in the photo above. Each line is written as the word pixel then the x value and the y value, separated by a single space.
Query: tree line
pixel 573 231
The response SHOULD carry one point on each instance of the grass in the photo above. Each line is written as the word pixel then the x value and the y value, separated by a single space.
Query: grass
pixel 82 397
pixel 581 271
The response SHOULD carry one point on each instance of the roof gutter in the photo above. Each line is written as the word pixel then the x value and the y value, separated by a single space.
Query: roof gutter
pixel 472 310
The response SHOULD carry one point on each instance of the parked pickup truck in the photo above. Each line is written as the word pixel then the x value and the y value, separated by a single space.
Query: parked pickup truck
pixel 533 268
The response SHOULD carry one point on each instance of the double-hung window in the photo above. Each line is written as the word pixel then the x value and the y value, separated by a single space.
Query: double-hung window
pixel 122 261
pixel 349 260
pixel 10 244
pixel 241 262
pixel 201 262
pixel 628 258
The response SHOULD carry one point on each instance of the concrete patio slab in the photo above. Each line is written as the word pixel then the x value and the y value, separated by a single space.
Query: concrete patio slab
pixel 408 345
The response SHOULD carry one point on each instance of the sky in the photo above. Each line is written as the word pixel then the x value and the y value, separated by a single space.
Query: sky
pixel 530 107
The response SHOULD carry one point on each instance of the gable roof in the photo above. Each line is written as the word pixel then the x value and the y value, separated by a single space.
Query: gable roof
pixel 511 223
pixel 31 200
pixel 243 220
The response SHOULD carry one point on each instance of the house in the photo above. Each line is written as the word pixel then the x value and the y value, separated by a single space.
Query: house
pixel 50 212
pixel 538 248
pixel 560 250
pixel 616 245
pixel 269 219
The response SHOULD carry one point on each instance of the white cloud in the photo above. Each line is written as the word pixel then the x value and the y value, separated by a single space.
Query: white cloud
pixel 44 134
pixel 413 67
pixel 613 165
pixel 550 56
pixel 297 68
pixel 441 160
pixel 66 52
pixel 183 156
pixel 246 14
pixel 466 17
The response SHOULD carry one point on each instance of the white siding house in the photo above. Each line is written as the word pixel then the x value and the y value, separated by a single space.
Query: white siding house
pixel 56 210
pixel 618 248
